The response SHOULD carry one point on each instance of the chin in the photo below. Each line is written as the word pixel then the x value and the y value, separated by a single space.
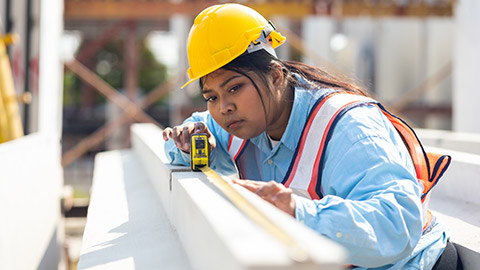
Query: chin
pixel 244 136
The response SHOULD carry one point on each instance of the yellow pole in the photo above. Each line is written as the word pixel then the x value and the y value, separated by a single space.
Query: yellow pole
pixel 10 120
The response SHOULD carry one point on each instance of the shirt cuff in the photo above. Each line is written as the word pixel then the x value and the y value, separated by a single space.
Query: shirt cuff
pixel 185 156
pixel 301 207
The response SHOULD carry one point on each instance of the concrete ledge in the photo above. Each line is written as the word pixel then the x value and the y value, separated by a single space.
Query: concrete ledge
pixel 457 141
pixel 456 201
pixel 126 225
pixel 31 180
pixel 234 241
pixel 463 220
pixel 214 233
pixel 462 179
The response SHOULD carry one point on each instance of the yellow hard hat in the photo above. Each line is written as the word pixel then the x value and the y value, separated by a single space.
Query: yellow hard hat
pixel 221 33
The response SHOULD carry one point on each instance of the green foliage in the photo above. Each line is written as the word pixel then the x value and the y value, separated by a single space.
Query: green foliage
pixel 152 73
pixel 70 96
pixel 110 64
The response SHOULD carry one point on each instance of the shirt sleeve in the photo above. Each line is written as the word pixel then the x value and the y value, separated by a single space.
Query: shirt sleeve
pixel 219 158
pixel 371 202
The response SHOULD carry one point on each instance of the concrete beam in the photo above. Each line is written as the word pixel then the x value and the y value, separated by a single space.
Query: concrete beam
pixel 126 225
pixel 214 233
pixel 457 141
pixel 455 201
pixel 31 178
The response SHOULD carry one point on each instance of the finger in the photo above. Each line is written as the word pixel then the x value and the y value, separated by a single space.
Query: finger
pixel 268 190
pixel 176 132
pixel 167 133
pixel 248 182
pixel 200 127
pixel 211 138
pixel 253 186
pixel 187 133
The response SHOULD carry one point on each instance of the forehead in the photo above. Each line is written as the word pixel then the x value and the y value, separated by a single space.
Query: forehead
pixel 218 77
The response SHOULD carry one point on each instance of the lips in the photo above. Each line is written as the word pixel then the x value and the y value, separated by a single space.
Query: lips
pixel 234 124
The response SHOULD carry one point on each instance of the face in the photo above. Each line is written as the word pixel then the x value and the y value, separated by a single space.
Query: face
pixel 234 103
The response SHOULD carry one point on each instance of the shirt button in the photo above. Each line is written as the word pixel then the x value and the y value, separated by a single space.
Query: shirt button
pixel 270 162
pixel 338 235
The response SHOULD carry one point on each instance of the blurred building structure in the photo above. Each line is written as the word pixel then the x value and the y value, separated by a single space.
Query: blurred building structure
pixel 390 46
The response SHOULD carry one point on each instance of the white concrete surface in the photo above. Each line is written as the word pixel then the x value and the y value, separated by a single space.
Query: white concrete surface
pixel 126 225
pixel 463 221
pixel 222 237
pixel 466 66
pixel 457 141
pixel 462 179
pixel 455 200
pixel 30 188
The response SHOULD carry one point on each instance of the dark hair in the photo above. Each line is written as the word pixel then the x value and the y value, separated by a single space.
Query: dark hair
pixel 260 63
pixel 314 78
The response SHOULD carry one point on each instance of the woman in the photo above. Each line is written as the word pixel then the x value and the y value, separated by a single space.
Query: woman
pixel 313 145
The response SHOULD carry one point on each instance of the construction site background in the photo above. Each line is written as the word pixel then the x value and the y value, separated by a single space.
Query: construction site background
pixel 124 61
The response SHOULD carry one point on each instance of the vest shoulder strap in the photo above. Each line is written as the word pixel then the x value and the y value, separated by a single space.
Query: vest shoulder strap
pixel 304 173
pixel 235 147
pixel 429 167
pixel 307 165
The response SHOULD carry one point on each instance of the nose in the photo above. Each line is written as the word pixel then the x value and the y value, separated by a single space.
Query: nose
pixel 226 106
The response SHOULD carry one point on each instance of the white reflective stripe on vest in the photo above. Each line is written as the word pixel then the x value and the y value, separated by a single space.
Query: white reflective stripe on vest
pixel 235 146
pixel 310 148
pixel 302 173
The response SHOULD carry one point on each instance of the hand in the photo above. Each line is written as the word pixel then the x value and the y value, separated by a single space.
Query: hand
pixel 181 135
pixel 273 192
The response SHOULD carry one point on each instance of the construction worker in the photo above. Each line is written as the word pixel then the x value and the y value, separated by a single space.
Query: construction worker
pixel 270 122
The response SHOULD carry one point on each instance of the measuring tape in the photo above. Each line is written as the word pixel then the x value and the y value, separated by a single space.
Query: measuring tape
pixel 199 154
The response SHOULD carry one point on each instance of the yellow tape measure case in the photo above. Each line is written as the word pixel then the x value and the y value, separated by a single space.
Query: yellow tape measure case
pixel 199 151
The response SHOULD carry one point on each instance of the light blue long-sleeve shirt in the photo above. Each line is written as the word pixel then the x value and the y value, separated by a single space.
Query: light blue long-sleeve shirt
pixel 371 202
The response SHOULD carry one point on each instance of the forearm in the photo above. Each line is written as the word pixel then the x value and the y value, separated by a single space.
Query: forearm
pixel 375 232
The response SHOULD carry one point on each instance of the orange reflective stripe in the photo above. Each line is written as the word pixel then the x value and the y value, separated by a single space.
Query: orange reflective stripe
pixel 413 146
pixel 428 221
pixel 303 139
pixel 438 165
pixel 429 167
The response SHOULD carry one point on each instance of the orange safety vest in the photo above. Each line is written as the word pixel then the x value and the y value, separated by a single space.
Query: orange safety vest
pixel 305 172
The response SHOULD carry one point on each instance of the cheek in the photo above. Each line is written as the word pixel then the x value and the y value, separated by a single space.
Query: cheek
pixel 253 109
pixel 214 112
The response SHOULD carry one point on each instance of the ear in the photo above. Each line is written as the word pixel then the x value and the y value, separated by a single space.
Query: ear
pixel 277 75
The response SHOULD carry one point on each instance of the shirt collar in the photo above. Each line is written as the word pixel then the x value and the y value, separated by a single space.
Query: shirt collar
pixel 300 110
pixel 303 100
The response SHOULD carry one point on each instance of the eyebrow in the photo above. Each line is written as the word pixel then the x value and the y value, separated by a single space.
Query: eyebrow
pixel 222 84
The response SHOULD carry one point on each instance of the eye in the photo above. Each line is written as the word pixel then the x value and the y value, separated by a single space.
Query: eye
pixel 234 88
pixel 210 99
